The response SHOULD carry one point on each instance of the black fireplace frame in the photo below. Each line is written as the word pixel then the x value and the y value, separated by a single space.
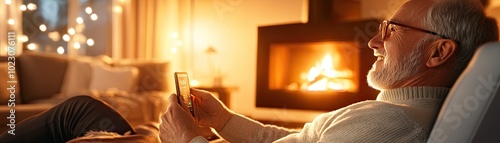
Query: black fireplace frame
pixel 358 32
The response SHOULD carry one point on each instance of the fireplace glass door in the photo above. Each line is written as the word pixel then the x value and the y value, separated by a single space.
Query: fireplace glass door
pixel 314 67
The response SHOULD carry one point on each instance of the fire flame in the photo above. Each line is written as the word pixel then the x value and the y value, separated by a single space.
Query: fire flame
pixel 325 76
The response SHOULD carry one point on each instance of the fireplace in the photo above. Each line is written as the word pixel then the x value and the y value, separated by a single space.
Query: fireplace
pixel 319 65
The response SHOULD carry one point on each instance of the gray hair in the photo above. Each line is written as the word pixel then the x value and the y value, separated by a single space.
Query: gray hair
pixel 465 22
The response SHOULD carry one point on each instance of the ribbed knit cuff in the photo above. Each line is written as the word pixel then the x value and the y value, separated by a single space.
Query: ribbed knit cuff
pixel 238 128
pixel 199 139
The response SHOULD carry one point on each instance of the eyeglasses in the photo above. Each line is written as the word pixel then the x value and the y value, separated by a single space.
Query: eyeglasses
pixel 383 29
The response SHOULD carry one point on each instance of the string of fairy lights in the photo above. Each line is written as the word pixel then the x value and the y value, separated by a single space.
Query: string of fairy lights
pixel 74 36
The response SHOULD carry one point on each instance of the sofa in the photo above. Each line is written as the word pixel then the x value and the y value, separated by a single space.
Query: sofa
pixel 136 89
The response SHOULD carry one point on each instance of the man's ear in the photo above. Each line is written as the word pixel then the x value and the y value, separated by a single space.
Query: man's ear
pixel 442 53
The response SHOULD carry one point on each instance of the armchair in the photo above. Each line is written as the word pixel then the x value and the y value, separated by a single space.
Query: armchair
pixel 470 113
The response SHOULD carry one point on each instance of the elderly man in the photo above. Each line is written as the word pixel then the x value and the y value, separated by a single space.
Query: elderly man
pixel 421 51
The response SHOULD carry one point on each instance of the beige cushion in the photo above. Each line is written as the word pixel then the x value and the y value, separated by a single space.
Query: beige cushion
pixel 152 74
pixel 78 75
pixel 105 77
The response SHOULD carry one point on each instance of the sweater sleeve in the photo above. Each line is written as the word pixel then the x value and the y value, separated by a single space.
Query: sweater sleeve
pixel 378 123
pixel 243 129
pixel 310 132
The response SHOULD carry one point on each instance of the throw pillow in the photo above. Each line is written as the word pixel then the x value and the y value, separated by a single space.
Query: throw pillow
pixel 40 74
pixel 105 77
pixel 5 84
pixel 152 74
pixel 78 75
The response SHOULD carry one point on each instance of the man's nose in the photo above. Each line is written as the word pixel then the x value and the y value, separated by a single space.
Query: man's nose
pixel 376 42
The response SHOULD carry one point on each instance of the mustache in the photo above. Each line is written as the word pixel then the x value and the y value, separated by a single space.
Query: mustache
pixel 379 52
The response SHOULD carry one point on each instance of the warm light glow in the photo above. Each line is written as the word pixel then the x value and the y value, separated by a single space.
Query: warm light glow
pixel 22 7
pixel 80 38
pixel 8 2
pixel 11 22
pixel 324 77
pixel 174 35
pixel 194 82
pixel 77 46
pixel 66 37
pixel 88 10
pixel 60 50
pixel 173 50
pixel 118 9
pixel 32 46
pixel 79 20
pixel 316 71
pixel 79 28
pixel 54 36
pixel 93 17
pixel 71 31
pixel 23 38
pixel 32 6
pixel 90 42
pixel 327 62
pixel 178 43
pixel 43 28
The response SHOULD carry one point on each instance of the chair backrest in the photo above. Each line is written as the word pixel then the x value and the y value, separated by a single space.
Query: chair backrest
pixel 471 112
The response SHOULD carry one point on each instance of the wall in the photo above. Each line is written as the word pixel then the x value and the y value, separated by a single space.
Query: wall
pixel 494 11
pixel 230 27
pixel 380 8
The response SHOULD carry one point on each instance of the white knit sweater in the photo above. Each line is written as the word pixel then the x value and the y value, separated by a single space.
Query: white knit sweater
pixel 399 115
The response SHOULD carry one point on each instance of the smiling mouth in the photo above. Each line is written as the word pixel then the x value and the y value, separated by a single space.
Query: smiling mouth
pixel 380 58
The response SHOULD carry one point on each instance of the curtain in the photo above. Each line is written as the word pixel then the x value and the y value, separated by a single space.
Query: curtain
pixel 149 29
pixel 10 25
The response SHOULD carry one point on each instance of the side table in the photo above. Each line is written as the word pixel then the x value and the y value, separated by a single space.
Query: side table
pixel 224 92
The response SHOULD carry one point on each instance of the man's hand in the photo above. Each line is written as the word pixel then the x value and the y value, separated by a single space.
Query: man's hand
pixel 209 111
pixel 177 124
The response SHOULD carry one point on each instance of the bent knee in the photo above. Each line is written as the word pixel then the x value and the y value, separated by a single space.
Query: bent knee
pixel 84 99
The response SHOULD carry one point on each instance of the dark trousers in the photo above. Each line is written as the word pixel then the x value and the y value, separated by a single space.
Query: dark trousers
pixel 68 120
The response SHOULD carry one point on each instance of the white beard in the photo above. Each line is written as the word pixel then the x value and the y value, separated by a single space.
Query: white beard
pixel 395 71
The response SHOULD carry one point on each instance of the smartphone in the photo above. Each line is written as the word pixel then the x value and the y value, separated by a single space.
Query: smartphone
pixel 183 91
